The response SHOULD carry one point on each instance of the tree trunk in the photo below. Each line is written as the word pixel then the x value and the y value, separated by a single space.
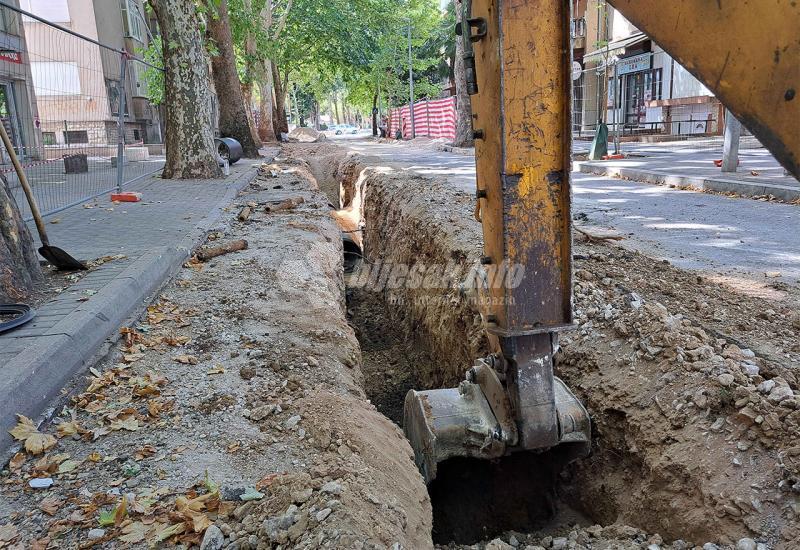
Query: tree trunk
pixel 19 265
pixel 191 152
pixel 375 113
pixel 233 119
pixel 463 106
pixel 266 131
pixel 336 109
pixel 279 119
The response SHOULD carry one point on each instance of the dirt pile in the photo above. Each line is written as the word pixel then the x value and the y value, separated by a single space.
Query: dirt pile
pixel 232 412
pixel 691 386
pixel 306 135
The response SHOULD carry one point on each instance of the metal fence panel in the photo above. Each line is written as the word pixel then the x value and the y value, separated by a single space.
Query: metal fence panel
pixel 66 100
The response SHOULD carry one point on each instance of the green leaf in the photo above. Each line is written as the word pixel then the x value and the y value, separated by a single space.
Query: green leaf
pixel 107 517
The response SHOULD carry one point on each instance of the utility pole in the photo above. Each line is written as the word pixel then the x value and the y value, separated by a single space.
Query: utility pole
pixel 730 147
pixel 411 83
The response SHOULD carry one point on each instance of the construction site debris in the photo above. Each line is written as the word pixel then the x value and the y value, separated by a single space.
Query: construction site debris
pixel 206 253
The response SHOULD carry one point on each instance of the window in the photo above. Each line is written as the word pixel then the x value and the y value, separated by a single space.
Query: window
pixel 656 87
pixel 55 78
pixel 133 21
pixel 55 11
pixel 49 138
pixel 112 91
pixel 139 86
pixel 76 136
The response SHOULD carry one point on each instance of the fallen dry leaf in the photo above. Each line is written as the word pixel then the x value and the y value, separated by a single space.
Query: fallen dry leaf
pixel 129 423
pixel 35 441
pixel 185 359
pixel 8 533
pixel 67 429
pixel 131 357
pixel 94 456
pixel 50 505
pixel 218 369
pixel 16 462
pixel 145 452
pixel 134 532
pixel 121 511
pixel 68 466
pixel 164 532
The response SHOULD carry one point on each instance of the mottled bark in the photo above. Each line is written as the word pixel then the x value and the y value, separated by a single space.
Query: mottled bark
pixel 279 120
pixel 463 106
pixel 336 109
pixel 266 130
pixel 19 264
pixel 233 119
pixel 191 152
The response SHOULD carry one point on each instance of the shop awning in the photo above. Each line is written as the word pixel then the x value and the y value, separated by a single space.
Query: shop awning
pixel 616 47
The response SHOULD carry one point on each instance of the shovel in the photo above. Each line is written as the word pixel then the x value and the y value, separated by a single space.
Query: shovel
pixel 57 257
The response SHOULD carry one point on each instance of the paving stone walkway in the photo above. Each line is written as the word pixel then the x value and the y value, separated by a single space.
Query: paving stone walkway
pixel 169 210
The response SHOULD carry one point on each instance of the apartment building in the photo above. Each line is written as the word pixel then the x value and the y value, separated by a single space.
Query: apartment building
pixel 18 112
pixel 77 80
pixel 627 80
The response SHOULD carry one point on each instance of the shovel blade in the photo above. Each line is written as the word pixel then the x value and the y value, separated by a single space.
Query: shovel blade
pixel 60 259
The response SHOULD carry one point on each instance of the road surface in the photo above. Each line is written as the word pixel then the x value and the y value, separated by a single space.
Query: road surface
pixel 736 238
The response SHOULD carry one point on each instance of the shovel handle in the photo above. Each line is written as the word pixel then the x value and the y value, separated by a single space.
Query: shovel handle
pixel 23 180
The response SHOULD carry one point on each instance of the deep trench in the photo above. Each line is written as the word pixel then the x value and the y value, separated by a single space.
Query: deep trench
pixel 473 500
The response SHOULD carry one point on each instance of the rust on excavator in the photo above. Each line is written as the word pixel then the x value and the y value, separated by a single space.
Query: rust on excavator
pixel 746 52
pixel 518 53
pixel 511 401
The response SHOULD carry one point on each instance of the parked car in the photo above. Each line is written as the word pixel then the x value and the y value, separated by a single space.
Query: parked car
pixel 346 129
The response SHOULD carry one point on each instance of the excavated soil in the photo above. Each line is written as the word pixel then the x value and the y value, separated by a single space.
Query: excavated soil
pixel 692 386
pixel 232 412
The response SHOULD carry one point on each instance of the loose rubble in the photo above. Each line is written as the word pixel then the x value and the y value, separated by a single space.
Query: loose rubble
pixel 690 383
pixel 230 415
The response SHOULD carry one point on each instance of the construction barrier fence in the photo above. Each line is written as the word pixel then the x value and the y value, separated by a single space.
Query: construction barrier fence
pixel 433 118
pixel 76 109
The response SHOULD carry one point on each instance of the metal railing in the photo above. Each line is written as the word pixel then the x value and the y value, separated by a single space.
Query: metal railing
pixel 75 108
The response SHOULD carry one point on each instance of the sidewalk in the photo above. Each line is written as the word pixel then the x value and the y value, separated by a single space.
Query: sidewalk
pixel 155 235
pixel 758 173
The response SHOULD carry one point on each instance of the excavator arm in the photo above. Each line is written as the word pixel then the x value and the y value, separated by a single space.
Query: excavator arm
pixel 517 56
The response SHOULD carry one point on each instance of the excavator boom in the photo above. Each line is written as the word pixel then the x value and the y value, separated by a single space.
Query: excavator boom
pixel 517 58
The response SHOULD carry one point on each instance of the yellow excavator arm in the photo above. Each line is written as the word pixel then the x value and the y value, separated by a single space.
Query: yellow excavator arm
pixel 517 57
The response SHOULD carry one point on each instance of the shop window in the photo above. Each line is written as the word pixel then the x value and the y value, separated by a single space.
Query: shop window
pixel 49 138
pixel 76 136
pixel 656 84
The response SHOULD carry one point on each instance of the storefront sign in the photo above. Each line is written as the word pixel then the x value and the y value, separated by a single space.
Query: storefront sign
pixel 11 57
pixel 633 64
pixel 577 70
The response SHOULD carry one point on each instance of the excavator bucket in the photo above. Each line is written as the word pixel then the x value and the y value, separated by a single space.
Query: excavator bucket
pixel 517 57
pixel 446 423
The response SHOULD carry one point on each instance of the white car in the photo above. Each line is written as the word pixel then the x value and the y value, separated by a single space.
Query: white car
pixel 340 129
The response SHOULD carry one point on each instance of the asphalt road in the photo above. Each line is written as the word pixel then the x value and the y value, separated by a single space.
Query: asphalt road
pixel 735 238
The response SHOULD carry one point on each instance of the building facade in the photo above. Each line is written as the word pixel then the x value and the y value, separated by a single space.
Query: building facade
pixel 18 111
pixel 77 81
pixel 625 79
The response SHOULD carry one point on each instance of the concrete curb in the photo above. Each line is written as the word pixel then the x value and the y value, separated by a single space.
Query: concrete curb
pixel 719 184
pixel 32 380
